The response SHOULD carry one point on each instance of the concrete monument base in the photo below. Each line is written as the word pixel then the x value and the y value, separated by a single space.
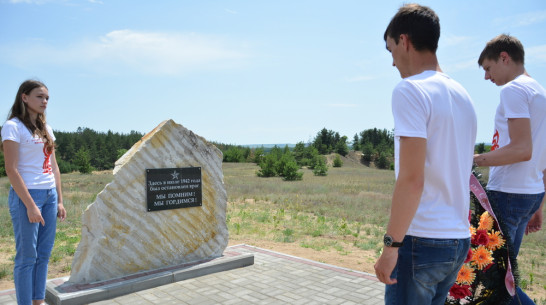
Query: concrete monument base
pixel 61 292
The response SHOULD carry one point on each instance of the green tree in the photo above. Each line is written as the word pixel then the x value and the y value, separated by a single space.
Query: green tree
pixel 234 154
pixel 299 152
pixel 83 161
pixel 356 143
pixel 320 167
pixel 276 152
pixel 281 163
pixel 120 152
pixel 337 161
pixel 291 171
pixel 376 136
pixel 368 152
pixel 326 141
pixel 102 147
pixel 382 161
pixel 480 148
pixel 66 167
pixel 310 153
pixel 267 166
pixel 286 150
pixel 259 154
pixel 341 146
pixel 329 141
pixel 385 147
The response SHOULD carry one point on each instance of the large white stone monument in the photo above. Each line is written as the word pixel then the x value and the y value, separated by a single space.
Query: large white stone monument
pixel 120 236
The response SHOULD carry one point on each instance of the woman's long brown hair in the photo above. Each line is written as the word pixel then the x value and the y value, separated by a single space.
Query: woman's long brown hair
pixel 19 110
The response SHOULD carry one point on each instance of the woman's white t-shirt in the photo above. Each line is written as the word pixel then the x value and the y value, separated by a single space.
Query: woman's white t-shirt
pixel 34 163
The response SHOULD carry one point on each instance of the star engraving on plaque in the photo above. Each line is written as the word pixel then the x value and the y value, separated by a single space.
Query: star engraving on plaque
pixel 175 175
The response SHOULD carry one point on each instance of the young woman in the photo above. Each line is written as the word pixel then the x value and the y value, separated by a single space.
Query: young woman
pixel 35 198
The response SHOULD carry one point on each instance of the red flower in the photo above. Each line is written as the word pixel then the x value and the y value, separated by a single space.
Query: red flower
pixel 468 256
pixel 460 291
pixel 481 238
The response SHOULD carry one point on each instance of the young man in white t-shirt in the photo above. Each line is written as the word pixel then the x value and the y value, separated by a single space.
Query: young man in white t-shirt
pixel 428 237
pixel 518 152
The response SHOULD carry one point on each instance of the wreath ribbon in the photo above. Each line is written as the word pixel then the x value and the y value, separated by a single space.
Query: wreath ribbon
pixel 479 192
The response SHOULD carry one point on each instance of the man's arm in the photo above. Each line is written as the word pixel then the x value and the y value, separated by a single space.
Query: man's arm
pixel 405 201
pixel 519 149
pixel 535 223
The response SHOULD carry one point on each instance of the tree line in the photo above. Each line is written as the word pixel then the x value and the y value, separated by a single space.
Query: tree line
pixel 377 146
pixel 86 150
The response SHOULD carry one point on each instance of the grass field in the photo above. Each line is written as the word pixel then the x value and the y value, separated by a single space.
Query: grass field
pixel 338 219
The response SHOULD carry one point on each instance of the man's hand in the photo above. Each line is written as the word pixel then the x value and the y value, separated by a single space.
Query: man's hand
pixel 478 159
pixel 535 223
pixel 385 265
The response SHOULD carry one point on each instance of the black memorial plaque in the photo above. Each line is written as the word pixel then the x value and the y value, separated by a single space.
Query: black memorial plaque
pixel 173 188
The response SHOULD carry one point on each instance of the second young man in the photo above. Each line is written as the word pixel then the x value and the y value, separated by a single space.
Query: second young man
pixel 428 235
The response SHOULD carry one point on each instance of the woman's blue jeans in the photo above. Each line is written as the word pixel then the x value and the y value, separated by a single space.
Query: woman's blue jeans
pixel 426 270
pixel 33 244
pixel 515 211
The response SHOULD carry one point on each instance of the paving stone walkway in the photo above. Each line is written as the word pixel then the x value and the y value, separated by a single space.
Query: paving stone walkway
pixel 275 278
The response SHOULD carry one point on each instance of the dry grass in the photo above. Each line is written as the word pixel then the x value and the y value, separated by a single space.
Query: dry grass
pixel 78 192
pixel 337 219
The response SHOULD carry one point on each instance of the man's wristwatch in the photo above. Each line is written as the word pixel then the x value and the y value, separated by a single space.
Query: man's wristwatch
pixel 389 242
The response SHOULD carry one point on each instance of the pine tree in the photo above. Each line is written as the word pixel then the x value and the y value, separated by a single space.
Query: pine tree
pixel 83 161
pixel 320 167
pixel 337 161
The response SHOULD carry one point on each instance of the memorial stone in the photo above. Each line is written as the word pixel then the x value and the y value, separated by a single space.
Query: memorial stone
pixel 121 235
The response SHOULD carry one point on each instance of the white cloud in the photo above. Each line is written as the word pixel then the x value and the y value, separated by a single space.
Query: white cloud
pixel 524 19
pixel 127 50
pixel 231 11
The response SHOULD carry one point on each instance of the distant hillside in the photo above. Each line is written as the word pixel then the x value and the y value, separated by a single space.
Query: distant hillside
pixel 269 145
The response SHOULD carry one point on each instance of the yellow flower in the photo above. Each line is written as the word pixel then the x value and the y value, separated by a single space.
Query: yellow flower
pixel 481 257
pixel 495 241
pixel 466 275
pixel 486 222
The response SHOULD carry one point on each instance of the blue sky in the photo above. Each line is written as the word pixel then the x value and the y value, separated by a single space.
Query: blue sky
pixel 242 72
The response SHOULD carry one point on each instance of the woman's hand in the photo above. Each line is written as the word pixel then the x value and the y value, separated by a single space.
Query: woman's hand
pixel 61 212
pixel 35 216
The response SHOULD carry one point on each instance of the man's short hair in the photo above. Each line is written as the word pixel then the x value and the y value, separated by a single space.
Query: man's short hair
pixel 420 23
pixel 503 43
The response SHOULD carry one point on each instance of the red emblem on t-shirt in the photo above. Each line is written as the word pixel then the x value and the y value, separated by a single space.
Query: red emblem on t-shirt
pixel 47 165
pixel 495 142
